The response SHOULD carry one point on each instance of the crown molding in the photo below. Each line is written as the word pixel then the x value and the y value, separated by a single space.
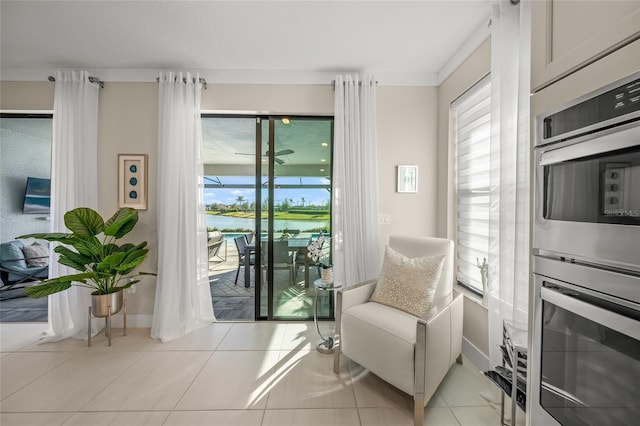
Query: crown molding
pixel 468 47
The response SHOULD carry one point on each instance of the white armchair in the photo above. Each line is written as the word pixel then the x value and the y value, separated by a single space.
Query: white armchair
pixel 413 354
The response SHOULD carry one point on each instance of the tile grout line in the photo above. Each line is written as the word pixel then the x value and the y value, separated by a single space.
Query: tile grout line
pixel 41 375
pixel 140 353
pixel 195 376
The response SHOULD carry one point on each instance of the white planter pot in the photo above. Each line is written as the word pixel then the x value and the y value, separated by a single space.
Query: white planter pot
pixel 326 275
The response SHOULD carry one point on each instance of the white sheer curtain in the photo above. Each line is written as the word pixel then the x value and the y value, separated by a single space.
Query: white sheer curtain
pixel 183 297
pixel 74 183
pixel 355 186
pixel 509 192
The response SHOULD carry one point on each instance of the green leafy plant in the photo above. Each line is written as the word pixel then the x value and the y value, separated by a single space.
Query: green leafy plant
pixel 102 264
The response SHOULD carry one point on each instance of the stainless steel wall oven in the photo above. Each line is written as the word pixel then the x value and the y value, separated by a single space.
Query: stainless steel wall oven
pixel 587 196
pixel 585 354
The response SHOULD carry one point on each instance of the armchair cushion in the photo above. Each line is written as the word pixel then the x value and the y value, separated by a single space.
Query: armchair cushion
pixel 408 284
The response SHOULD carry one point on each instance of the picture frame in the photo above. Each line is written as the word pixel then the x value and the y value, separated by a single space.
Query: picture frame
pixel 407 178
pixel 132 181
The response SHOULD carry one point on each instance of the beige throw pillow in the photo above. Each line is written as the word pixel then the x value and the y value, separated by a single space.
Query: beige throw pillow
pixel 36 255
pixel 408 284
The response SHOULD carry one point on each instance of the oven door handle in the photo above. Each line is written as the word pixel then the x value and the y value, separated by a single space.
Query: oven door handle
pixel 610 142
pixel 594 313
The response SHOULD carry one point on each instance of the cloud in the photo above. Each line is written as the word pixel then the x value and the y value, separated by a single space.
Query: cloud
pixel 210 198
pixel 243 192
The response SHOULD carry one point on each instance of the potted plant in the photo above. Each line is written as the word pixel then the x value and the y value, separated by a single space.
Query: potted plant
pixel 319 251
pixel 103 265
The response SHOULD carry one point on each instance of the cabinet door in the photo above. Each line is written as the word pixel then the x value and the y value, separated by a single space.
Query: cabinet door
pixel 567 35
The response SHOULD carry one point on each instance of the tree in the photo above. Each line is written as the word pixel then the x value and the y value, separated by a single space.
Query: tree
pixel 284 205
pixel 240 200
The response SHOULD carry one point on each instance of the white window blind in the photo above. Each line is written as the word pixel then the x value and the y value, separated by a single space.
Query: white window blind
pixel 473 129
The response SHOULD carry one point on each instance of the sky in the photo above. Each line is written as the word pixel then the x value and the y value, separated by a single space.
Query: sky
pixel 229 196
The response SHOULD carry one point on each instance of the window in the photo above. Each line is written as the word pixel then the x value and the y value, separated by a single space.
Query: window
pixel 472 112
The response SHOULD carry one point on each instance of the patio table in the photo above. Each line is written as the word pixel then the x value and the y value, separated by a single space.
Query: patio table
pixel 294 244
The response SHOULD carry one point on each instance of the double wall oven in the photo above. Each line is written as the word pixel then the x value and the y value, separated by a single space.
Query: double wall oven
pixel 585 352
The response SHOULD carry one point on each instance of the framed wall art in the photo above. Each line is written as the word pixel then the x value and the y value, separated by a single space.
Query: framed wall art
pixel 407 178
pixel 132 181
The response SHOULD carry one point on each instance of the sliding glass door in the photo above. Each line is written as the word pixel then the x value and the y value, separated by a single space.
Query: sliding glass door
pixel 283 184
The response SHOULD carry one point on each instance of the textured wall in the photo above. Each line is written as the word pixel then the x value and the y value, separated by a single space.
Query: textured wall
pixel 476 66
pixel 25 150
pixel 406 128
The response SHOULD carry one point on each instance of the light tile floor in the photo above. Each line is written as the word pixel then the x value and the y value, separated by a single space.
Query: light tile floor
pixel 222 374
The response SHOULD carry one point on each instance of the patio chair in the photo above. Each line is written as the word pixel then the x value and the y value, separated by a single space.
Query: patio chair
pixel 250 237
pixel 214 245
pixel 282 258
pixel 303 261
pixel 241 245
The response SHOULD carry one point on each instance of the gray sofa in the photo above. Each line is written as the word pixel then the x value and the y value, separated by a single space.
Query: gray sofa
pixel 14 268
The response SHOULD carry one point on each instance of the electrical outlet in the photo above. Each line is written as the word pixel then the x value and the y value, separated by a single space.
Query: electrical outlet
pixel 384 219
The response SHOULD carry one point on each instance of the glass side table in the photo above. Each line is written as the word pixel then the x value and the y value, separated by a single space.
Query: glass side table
pixel 326 345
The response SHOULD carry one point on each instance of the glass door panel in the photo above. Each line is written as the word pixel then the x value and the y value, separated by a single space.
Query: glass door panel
pixel 229 153
pixel 264 305
pixel 301 211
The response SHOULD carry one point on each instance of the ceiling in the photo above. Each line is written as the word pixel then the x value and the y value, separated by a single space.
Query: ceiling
pixel 302 146
pixel 402 42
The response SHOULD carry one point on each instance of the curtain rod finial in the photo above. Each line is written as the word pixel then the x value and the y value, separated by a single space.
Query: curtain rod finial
pixel 92 79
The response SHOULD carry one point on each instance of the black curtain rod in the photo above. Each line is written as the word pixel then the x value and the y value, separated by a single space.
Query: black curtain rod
pixel 184 80
pixel 92 79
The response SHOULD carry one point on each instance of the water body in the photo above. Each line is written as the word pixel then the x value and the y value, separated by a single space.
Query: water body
pixel 229 222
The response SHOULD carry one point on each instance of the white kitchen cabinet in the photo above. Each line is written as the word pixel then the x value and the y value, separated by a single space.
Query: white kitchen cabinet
pixel 567 35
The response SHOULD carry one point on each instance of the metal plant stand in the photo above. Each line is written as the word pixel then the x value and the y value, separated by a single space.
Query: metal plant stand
pixel 107 322
pixel 327 344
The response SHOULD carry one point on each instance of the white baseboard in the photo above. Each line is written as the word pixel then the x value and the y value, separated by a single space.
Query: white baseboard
pixel 475 355
pixel 133 321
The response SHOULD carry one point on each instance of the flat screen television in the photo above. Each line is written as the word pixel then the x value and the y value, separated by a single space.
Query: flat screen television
pixel 37 197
